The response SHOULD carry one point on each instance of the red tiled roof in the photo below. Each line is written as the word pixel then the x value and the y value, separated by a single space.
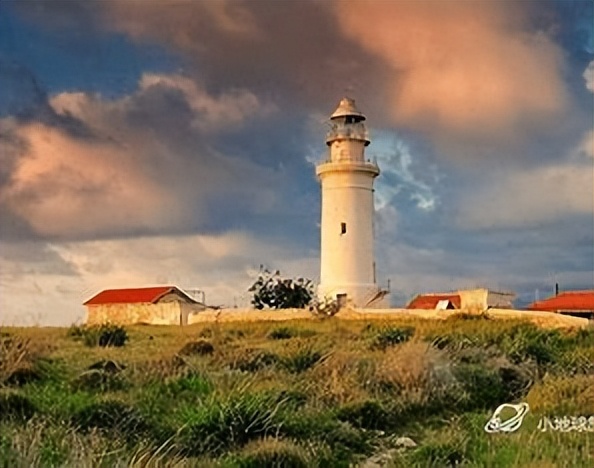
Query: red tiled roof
pixel 429 301
pixel 569 300
pixel 135 295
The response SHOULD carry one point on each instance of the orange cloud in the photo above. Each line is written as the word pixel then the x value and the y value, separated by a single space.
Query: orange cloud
pixel 461 66
pixel 64 186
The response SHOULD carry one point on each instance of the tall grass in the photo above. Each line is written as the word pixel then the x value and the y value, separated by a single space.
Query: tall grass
pixel 325 393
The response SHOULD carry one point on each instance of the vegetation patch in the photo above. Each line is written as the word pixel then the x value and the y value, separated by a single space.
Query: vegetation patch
pixel 112 416
pixel 15 407
pixel 369 414
pixel 391 336
pixel 218 425
pixel 104 335
pixel 96 380
pixel 330 401
pixel 273 453
pixel 197 348
pixel 301 360
pixel 255 360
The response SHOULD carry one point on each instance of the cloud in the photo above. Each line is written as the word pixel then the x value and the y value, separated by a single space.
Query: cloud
pixel 401 173
pixel 532 196
pixel 65 274
pixel 468 71
pixel 144 163
pixel 589 76
pixel 220 113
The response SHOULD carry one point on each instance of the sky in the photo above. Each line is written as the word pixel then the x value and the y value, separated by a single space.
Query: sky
pixel 175 142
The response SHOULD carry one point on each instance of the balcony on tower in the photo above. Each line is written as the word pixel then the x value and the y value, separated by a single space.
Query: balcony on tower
pixel 347 131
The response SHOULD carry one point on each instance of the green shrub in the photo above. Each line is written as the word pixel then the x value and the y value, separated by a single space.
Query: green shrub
pixel 103 335
pixel 112 415
pixel 391 336
pixel 344 440
pixel 8 454
pixel 526 341
pixel 16 407
pixel 253 361
pixel 484 386
pixel 200 348
pixel 192 386
pixel 368 414
pixel 301 361
pixel 76 331
pixel 439 455
pixel 273 453
pixel 96 380
pixel 282 333
pixel 584 337
pixel 222 425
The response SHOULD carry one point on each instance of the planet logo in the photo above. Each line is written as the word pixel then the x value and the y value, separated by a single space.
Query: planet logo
pixel 512 423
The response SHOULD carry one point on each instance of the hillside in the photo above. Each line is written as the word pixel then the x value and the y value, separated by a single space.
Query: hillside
pixel 329 393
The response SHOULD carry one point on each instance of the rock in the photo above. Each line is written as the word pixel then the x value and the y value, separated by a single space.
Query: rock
pixel 405 442
pixel 379 460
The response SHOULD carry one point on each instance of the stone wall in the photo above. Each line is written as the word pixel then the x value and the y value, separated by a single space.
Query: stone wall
pixel 169 314
pixel 248 315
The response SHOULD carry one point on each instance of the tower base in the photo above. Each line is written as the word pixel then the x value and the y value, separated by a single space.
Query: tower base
pixel 354 295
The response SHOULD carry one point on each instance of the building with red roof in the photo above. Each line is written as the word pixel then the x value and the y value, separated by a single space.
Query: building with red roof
pixel 166 305
pixel 578 303
pixel 439 301
pixel 468 300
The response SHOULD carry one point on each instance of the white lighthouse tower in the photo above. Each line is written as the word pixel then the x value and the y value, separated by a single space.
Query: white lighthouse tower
pixel 347 259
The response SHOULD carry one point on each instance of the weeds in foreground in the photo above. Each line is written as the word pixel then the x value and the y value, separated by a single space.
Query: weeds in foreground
pixel 103 335
pixel 321 394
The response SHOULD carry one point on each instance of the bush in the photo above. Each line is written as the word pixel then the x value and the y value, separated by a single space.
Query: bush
pixel 222 425
pixel 283 333
pixel 439 454
pixel 103 335
pixel 16 407
pixel 193 386
pixel 391 336
pixel 112 415
pixel 369 414
pixel 343 439
pixel 96 380
pixel 273 291
pixel 485 387
pixel 253 361
pixel 301 361
pixel 273 453
pixel 200 348
pixel 527 341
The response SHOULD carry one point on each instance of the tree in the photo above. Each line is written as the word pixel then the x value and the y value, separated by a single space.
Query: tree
pixel 273 291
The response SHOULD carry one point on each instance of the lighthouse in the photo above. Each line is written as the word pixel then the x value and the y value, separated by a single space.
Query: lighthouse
pixel 346 176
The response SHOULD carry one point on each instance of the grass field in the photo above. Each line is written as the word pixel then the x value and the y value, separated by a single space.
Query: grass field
pixel 298 394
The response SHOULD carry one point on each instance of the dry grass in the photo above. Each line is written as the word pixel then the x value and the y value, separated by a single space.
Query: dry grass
pixel 563 395
pixel 415 369
pixel 405 388
pixel 338 380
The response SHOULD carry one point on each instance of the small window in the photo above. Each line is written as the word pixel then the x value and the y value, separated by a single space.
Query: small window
pixel 342 228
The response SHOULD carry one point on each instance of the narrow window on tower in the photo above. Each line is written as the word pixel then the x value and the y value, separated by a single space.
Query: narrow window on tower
pixel 342 228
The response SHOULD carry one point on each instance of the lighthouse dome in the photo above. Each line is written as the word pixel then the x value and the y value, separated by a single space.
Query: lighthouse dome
pixel 347 108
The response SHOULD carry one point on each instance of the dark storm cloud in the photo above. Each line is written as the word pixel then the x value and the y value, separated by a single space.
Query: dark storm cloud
pixel 221 144
pixel 152 162
pixel 490 93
